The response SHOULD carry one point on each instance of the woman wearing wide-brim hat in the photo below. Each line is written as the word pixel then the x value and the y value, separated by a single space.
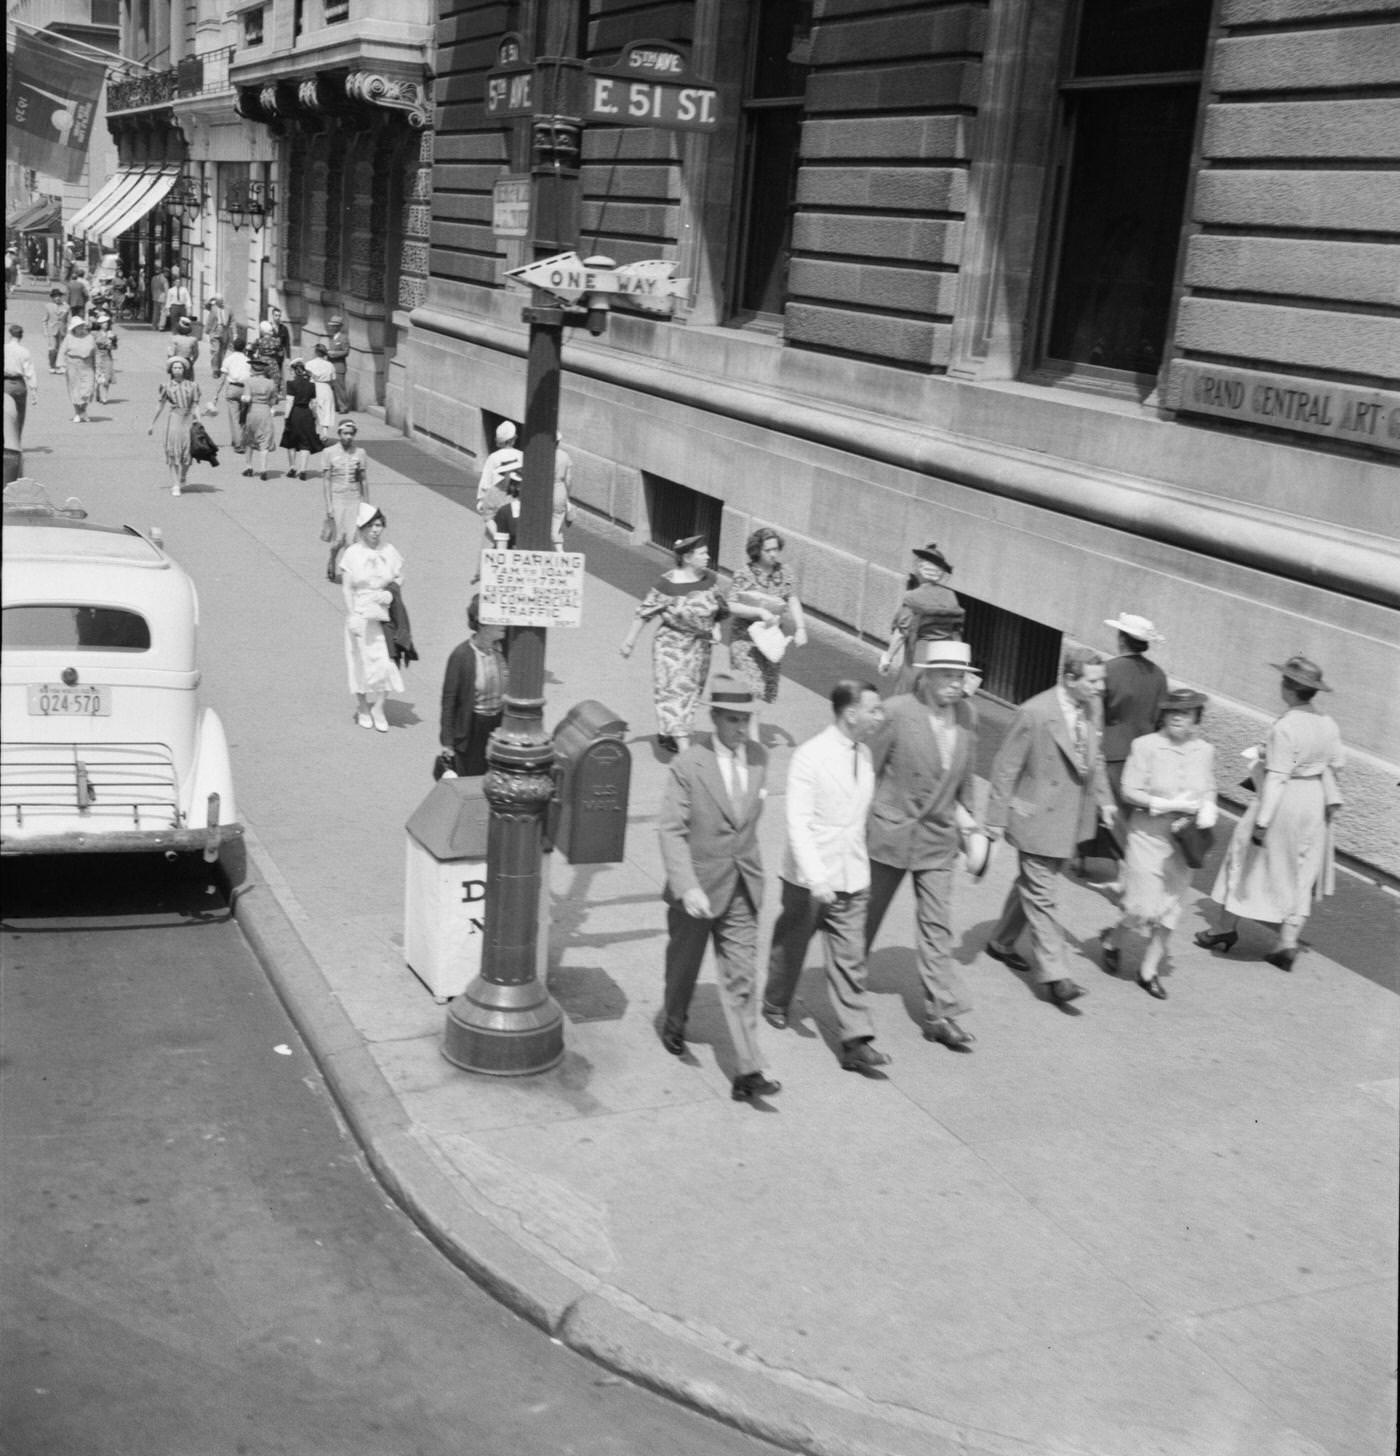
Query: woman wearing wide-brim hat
pixel 1280 856
pixel 1169 776
pixel 688 606
pixel 928 611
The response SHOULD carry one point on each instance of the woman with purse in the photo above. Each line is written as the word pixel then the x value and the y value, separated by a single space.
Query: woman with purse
pixel 688 607
pixel 368 567
pixel 928 611
pixel 179 395
pixel 300 436
pixel 1280 856
pixel 1169 789
pixel 763 590
pixel 345 475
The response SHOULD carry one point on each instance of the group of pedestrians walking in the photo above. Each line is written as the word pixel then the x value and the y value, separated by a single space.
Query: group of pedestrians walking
pixel 887 792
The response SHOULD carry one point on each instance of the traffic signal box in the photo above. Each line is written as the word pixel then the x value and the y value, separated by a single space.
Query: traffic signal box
pixel 593 775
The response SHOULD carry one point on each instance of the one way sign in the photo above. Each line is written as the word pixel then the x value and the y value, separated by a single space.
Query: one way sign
pixel 567 276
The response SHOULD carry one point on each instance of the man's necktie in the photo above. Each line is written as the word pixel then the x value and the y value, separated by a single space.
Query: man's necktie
pixel 1081 740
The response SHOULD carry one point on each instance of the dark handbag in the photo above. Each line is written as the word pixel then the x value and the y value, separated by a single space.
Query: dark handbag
pixel 443 762
pixel 202 446
pixel 1193 841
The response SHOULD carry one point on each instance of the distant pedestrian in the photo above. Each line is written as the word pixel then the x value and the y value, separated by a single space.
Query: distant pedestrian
pixel 338 352
pixel 258 432
pixel 1280 860
pixel 79 293
pixel 708 831
pixel 505 524
pixel 1133 690
pixel 55 326
pixel 183 344
pixel 178 399
pixel 925 756
pixel 826 872
pixel 928 611
pixel 369 566
pixel 345 474
pixel 300 436
pixel 218 324
pixel 11 271
pixel 21 384
pixel 1169 777
pixel 492 485
pixel 234 374
pixel 1047 784
pixel 687 605
pixel 473 695
pixel 179 301
pixel 267 347
pixel 763 591
pixel 79 359
pixel 104 337
pixel 160 289
pixel 281 331
pixel 563 512
pixel 321 373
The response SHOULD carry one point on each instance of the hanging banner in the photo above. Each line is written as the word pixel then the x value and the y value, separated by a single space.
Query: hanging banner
pixel 51 98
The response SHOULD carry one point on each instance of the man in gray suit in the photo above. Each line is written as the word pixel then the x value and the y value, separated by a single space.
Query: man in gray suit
pixel 1047 784
pixel 924 759
pixel 714 877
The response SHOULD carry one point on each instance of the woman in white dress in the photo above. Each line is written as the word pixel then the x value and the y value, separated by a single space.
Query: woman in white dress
pixel 321 372
pixel 367 567
pixel 1280 856
pixel 1169 776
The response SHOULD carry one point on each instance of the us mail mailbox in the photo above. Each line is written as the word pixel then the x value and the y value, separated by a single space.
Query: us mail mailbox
pixel 593 773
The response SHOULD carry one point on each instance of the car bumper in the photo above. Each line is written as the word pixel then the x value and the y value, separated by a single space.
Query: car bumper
pixel 122 841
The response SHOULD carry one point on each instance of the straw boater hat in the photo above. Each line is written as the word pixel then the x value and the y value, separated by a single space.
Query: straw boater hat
pixel 1131 625
pixel 938 653
pixel 731 693
pixel 1303 672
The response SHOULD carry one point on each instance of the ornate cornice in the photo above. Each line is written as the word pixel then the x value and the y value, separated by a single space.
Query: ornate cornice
pixel 370 88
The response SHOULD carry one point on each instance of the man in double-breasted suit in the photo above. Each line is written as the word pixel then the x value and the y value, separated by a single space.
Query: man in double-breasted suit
pixel 714 877
pixel 1047 785
pixel 924 758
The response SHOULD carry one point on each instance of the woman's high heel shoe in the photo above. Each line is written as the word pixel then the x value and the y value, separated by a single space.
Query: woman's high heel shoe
pixel 1223 940
pixel 1283 958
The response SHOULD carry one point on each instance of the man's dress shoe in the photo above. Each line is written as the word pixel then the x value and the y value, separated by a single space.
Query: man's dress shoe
pixel 1007 957
pixel 751 1085
pixel 946 1030
pixel 1063 992
pixel 863 1057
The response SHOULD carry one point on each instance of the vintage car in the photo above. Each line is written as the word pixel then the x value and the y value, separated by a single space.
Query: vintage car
pixel 103 743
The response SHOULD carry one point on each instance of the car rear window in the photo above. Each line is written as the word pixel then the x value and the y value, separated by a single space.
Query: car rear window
pixel 61 627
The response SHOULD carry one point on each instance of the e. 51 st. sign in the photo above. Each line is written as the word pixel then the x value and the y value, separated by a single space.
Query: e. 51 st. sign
pixel 651 85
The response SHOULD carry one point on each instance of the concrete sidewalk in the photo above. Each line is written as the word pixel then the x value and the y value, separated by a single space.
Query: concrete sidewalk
pixel 1123 1228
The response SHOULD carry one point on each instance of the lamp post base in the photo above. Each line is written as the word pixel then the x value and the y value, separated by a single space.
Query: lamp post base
pixel 504 1031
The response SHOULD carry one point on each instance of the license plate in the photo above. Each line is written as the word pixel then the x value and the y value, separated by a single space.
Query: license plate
pixel 48 701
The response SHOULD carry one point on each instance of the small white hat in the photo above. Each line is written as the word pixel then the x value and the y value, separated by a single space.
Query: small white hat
pixel 505 434
pixel 1131 625
pixel 366 514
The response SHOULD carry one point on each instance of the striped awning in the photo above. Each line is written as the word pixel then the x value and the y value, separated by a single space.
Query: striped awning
pixel 123 201
pixel 36 217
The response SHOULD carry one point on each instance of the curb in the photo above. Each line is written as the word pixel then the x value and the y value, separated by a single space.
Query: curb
pixel 786 1409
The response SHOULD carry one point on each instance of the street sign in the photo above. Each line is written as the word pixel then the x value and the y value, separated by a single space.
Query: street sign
pixel 510 207
pixel 651 85
pixel 532 588
pixel 566 275
pixel 510 83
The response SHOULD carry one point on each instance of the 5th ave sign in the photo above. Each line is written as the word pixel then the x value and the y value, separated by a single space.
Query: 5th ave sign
pixel 651 85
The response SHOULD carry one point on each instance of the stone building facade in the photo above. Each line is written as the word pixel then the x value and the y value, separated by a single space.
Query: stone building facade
pixel 1102 295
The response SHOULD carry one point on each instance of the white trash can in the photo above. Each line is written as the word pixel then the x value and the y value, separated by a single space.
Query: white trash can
pixel 445 886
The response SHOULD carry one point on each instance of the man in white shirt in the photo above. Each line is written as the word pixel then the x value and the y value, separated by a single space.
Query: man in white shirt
pixel 826 872
pixel 234 374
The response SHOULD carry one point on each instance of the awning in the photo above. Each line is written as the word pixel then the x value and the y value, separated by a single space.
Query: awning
pixel 123 202
pixel 38 217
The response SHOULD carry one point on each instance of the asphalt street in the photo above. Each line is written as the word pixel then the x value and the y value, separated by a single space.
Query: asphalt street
pixel 196 1259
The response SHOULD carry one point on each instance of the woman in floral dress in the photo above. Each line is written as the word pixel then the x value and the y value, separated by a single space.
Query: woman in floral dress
pixel 104 338
pixel 688 607
pixel 79 359
pixel 179 395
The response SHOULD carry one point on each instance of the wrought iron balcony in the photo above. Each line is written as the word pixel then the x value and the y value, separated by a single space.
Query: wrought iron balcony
pixel 202 75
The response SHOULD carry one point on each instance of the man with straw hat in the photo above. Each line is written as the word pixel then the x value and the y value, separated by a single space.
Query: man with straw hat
pixel 925 757
pixel 714 877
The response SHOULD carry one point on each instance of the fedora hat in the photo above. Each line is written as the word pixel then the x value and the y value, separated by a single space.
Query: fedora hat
pixel 1131 625
pixel 1303 671
pixel 937 652
pixel 933 554
pixel 731 693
